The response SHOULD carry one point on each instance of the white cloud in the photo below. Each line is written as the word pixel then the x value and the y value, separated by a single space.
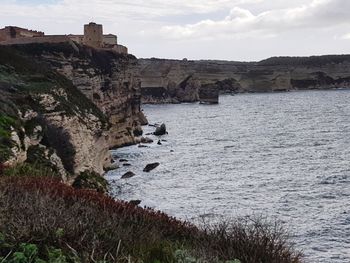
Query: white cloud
pixel 241 22
pixel 345 36
pixel 235 29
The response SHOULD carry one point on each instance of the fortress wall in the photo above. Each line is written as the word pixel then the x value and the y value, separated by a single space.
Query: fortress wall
pixel 3 36
pixel 12 32
pixel 121 49
pixel 77 38
pixel 110 39
pixel 30 40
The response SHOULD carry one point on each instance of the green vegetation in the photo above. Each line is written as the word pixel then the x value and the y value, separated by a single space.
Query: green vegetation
pixel 30 253
pixel 6 123
pixel 29 77
pixel 27 169
pixel 91 180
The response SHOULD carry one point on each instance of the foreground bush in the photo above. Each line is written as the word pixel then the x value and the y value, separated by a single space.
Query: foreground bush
pixel 86 226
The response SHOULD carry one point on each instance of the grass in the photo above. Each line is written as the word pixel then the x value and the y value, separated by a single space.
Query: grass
pixel 91 227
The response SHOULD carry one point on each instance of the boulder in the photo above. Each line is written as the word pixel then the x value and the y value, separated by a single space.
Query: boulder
pixel 142 146
pixel 123 160
pixel 128 175
pixel 150 167
pixel 146 140
pixel 161 130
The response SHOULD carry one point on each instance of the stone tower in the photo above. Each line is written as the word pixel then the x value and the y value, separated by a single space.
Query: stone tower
pixel 93 35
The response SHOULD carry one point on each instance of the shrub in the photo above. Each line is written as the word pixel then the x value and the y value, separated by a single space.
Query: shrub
pixel 27 253
pixel 34 209
pixel 91 180
pixel 6 143
pixel 93 227
pixel 249 240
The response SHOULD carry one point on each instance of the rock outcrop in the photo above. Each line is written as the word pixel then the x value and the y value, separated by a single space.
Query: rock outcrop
pixel 209 94
pixel 79 102
pixel 161 77
pixel 150 167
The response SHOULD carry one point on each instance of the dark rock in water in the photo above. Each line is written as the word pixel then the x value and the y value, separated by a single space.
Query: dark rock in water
pixel 150 133
pixel 209 94
pixel 164 140
pixel 123 160
pixel 150 167
pixel 128 175
pixel 126 164
pixel 146 140
pixel 159 143
pixel 135 202
pixel 142 146
pixel 161 130
pixel 171 151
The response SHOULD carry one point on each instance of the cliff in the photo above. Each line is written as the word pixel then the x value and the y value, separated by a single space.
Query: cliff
pixel 67 103
pixel 161 77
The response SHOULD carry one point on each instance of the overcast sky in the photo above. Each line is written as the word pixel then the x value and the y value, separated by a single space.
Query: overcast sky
pixel 242 30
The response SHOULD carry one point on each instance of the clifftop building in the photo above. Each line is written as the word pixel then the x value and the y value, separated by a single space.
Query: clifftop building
pixel 12 32
pixel 93 37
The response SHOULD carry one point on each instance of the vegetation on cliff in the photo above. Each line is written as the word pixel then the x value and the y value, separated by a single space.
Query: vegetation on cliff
pixel 25 82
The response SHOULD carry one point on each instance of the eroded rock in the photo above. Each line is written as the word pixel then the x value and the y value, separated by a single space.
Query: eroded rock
pixel 150 167
pixel 161 130
pixel 128 175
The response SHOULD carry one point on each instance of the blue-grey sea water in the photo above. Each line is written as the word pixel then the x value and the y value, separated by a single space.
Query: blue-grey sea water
pixel 282 155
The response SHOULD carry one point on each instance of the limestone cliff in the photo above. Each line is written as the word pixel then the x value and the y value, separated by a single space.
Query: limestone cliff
pixel 160 76
pixel 73 102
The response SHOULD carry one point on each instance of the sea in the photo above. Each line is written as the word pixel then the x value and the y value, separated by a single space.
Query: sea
pixel 280 156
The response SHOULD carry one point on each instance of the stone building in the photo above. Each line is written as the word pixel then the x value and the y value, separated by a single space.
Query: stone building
pixel 13 32
pixel 93 37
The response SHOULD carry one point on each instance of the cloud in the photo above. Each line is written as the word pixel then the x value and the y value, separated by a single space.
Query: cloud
pixel 319 14
pixel 149 8
pixel 244 29
pixel 345 36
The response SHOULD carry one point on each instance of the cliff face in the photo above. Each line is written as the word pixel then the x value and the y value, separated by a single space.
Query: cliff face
pixel 72 102
pixel 159 77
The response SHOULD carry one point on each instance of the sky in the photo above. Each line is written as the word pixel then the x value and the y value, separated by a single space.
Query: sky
pixel 240 30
